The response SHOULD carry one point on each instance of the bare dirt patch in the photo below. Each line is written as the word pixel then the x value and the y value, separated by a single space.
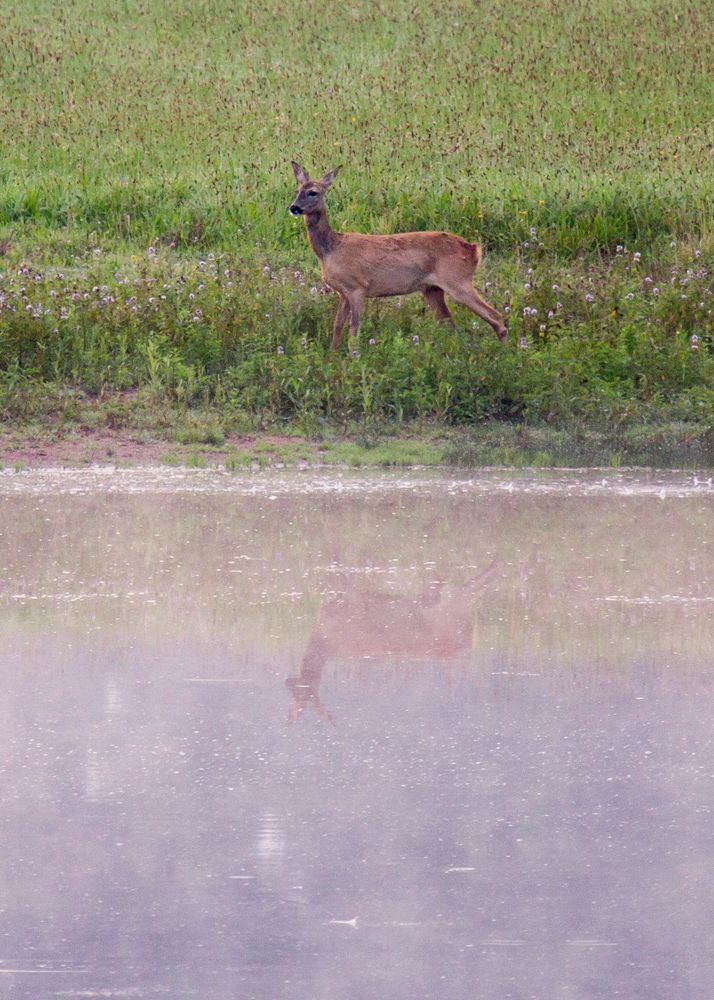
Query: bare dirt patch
pixel 107 447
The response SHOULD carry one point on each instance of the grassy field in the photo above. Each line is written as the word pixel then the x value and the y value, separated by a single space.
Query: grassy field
pixel 146 244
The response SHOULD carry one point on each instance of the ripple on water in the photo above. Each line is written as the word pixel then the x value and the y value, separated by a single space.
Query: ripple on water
pixel 271 485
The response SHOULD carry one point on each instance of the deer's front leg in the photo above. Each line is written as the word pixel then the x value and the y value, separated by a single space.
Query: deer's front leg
pixel 340 319
pixel 356 301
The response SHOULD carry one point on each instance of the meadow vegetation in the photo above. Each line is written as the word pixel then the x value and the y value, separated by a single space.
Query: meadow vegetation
pixel 146 246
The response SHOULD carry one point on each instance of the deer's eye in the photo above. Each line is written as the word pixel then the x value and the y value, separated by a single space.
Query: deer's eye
pixel 312 194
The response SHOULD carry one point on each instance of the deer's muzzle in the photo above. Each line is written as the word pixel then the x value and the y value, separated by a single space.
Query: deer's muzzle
pixel 295 210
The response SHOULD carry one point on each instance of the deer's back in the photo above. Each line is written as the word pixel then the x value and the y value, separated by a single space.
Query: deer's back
pixel 398 264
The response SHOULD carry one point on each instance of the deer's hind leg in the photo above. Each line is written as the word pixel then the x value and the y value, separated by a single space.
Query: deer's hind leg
pixel 465 293
pixel 434 297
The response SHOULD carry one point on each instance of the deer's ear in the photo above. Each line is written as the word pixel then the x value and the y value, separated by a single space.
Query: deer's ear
pixel 300 174
pixel 330 176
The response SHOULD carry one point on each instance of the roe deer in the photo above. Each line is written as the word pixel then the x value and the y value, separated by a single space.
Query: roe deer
pixel 366 623
pixel 360 266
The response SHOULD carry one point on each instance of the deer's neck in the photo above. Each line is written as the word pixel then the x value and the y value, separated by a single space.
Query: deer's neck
pixel 321 235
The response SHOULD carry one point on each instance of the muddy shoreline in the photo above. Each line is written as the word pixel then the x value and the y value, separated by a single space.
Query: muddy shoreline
pixel 665 446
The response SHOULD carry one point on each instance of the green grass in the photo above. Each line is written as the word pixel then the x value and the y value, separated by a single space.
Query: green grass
pixel 145 178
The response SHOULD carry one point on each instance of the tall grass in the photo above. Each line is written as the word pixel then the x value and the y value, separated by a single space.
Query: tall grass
pixel 145 161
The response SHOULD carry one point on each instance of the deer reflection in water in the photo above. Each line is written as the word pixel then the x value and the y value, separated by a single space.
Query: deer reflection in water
pixel 363 622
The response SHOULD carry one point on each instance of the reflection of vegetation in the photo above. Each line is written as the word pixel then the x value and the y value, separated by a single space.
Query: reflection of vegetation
pixel 251 572
pixel 146 244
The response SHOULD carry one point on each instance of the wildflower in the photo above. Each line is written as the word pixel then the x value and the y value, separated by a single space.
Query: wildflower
pixel 532 230
pixel 415 339
pixel 697 253
pixel 619 248
pixel 542 327
pixel 551 314
pixel 636 256
pixel 372 341
pixel 506 309
pixel 648 280
pixel 313 290
pixel 589 298
pixel 266 269
pixel 523 342
pixel 556 288
pixel 655 291
pixel 694 341
pixel 527 286
pixel 355 353
pixel 630 295
pixel 281 349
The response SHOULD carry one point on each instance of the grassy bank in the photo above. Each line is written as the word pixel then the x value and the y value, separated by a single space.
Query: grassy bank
pixel 71 428
pixel 146 245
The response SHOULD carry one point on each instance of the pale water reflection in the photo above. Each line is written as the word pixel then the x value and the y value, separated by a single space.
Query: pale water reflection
pixel 319 736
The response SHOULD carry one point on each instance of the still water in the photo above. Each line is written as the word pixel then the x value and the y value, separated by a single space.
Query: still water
pixel 334 737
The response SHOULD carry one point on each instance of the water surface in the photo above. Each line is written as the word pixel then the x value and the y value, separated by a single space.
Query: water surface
pixel 319 736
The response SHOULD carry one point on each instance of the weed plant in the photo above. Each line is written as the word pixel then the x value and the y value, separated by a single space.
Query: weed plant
pixel 145 179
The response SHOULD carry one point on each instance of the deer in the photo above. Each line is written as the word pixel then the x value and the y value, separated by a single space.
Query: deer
pixel 366 623
pixel 361 266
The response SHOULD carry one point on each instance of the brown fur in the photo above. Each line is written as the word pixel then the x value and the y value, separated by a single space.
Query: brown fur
pixel 360 266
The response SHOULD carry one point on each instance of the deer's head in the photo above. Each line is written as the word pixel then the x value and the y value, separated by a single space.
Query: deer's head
pixel 310 197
